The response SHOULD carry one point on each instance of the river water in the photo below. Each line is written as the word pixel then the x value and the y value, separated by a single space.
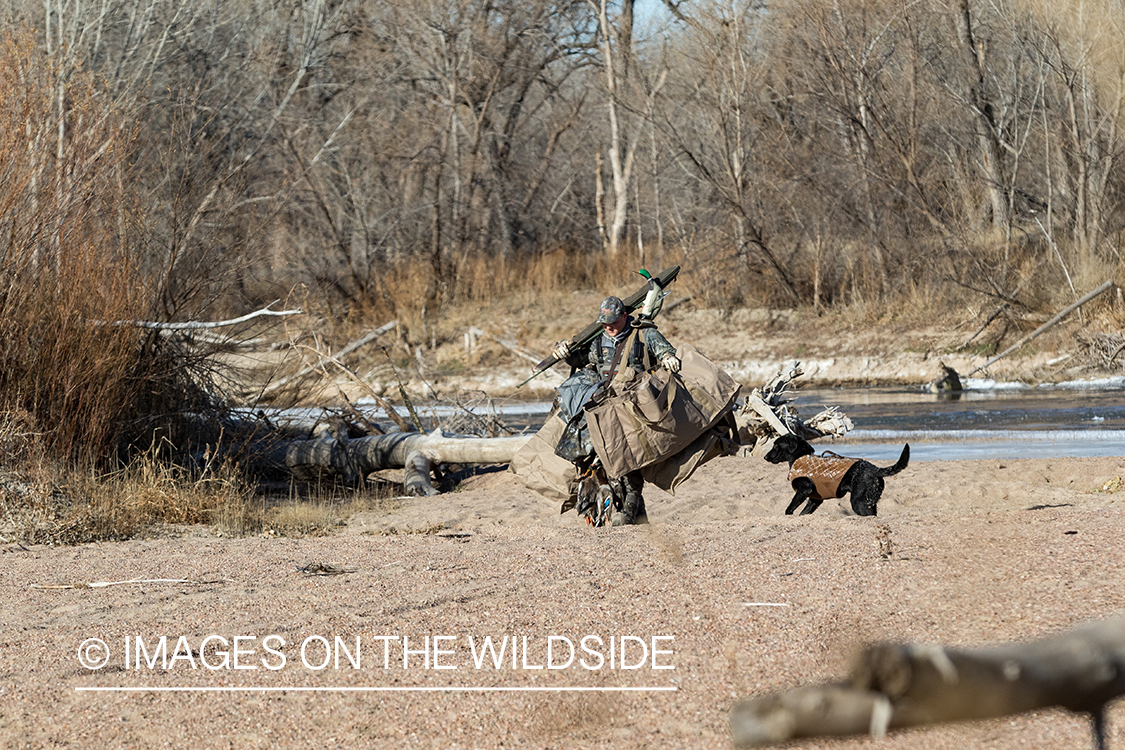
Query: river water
pixel 986 420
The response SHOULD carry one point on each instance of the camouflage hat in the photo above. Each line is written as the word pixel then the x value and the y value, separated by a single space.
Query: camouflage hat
pixel 612 308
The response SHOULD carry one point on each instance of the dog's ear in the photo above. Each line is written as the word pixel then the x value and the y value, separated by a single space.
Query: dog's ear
pixel 789 443
pixel 796 446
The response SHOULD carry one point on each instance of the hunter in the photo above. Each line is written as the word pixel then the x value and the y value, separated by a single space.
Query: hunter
pixel 598 362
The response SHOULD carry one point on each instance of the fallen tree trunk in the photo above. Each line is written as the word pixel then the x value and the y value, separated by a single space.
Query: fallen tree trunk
pixel 894 686
pixel 417 453
pixel 1043 328
pixel 766 413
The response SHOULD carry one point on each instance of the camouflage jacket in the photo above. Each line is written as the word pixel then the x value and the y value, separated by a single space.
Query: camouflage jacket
pixel 599 353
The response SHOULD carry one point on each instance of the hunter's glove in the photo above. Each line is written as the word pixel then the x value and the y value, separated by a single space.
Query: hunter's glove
pixel 670 362
pixel 562 349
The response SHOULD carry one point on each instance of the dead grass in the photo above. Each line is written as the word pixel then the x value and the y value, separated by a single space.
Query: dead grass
pixel 77 389
pixel 487 288
pixel 307 511
pixel 51 506
pixel 47 501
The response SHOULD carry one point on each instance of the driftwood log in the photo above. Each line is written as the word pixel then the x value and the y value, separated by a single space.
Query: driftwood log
pixel 894 686
pixel 354 459
pixel 769 411
pixel 949 380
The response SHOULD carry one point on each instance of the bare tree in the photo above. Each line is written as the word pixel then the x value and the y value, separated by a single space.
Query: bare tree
pixel 813 150
pixel 1091 97
pixel 988 129
pixel 714 124
pixel 617 52
pixel 455 139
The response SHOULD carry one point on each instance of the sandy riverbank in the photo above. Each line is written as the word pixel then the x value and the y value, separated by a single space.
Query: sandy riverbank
pixel 981 552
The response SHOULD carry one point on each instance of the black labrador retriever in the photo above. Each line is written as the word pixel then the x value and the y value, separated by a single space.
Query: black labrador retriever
pixel 817 478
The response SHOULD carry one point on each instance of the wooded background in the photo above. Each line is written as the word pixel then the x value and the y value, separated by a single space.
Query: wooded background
pixel 797 152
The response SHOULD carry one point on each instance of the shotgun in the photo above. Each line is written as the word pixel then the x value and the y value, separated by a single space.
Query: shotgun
pixel 633 302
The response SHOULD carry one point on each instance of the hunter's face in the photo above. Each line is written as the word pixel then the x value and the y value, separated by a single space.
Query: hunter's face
pixel 616 326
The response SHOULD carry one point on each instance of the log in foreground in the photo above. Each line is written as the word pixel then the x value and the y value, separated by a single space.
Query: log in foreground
pixel 415 452
pixel 894 686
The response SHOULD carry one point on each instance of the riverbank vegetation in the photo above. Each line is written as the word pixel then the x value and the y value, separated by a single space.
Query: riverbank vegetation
pixel 367 161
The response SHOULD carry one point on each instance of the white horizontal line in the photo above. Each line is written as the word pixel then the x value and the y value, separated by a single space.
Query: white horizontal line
pixel 764 604
pixel 448 689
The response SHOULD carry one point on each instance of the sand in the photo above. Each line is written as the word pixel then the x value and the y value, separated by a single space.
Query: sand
pixel 719 598
pixel 979 552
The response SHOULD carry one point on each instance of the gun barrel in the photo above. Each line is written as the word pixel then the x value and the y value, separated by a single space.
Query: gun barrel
pixel 632 303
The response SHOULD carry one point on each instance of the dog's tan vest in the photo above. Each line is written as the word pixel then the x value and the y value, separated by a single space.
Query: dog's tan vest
pixel 826 471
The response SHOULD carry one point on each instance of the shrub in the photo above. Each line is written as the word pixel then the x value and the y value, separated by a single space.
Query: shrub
pixel 66 219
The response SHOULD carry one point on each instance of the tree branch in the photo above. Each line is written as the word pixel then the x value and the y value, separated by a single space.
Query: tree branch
pixel 193 325
pixel 277 384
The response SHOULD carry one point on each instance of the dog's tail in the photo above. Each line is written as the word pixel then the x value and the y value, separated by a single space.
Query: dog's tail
pixel 900 464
